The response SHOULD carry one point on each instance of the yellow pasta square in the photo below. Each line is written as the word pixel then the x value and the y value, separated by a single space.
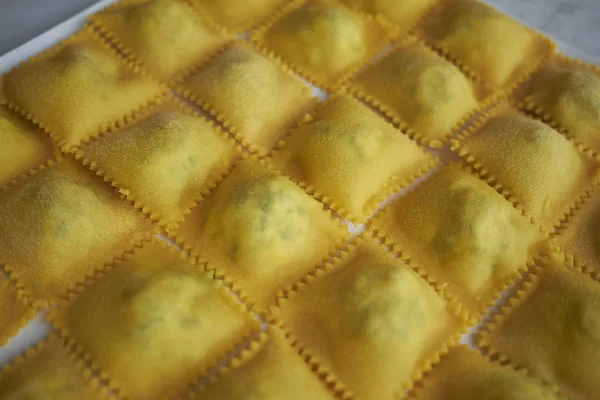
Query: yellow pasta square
pixel 580 233
pixel 78 89
pixel 24 146
pixel 368 321
pixel 15 310
pixel 566 93
pixel 257 99
pixel 461 234
pixel 270 369
pixel 533 165
pixel 261 231
pixel 404 13
pixel 238 15
pixel 349 157
pixel 61 224
pixel 154 323
pixel 48 372
pixel 485 42
pixel 422 92
pixel 464 374
pixel 158 33
pixel 552 328
pixel 322 40
pixel 164 161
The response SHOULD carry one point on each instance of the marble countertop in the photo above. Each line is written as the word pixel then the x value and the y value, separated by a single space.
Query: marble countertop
pixel 576 22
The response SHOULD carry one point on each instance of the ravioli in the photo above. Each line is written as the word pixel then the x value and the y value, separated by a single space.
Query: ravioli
pixel 78 89
pixel 15 311
pixel 253 96
pixel 238 15
pixel 422 92
pixel 157 33
pixel 62 224
pixel 485 41
pixel 350 157
pixel 464 374
pixel 553 329
pixel 270 370
pixel 260 230
pixel 404 13
pixel 47 372
pixel 323 41
pixel 520 155
pixel 462 233
pixel 356 316
pixel 566 94
pixel 163 162
pixel 24 146
pixel 164 322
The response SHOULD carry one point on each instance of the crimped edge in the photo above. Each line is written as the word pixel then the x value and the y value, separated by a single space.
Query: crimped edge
pixel 564 221
pixel 220 115
pixel 29 173
pixel 56 319
pixel 121 122
pixel 9 284
pixel 488 100
pixel 389 32
pixel 392 185
pixel 129 194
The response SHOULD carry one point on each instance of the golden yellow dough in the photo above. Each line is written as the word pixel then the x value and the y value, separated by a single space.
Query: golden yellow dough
pixel 488 42
pixel 405 13
pixel 61 224
pixel 463 374
pixel 164 161
pixel 275 371
pixel 351 156
pixel 533 162
pixel 324 40
pixel 422 90
pixel 255 98
pixel 159 33
pixel 369 320
pixel 570 94
pixel 78 88
pixel 238 15
pixel 156 322
pixel 24 146
pixel 262 230
pixel 555 331
pixel 582 235
pixel 14 312
pixel 46 372
pixel 462 233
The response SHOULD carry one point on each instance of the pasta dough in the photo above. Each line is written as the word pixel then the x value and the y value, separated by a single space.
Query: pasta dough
pixel 164 161
pixel 253 96
pixel 24 146
pixel 14 310
pixel 357 315
pixel 163 322
pixel 62 224
pixel 567 95
pixel 238 15
pixel 350 156
pixel 554 329
pixel 404 13
pixel 323 40
pixel 530 161
pixel 46 372
pixel 273 370
pixel 262 230
pixel 462 233
pixel 421 91
pixel 158 33
pixel 464 374
pixel 485 41
pixel 77 89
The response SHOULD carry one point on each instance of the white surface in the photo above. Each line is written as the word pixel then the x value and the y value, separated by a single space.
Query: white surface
pixel 37 328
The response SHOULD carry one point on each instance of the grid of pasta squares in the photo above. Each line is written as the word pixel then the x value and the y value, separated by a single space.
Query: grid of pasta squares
pixel 298 199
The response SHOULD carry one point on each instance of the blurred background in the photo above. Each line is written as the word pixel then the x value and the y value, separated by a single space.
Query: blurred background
pixel 576 22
